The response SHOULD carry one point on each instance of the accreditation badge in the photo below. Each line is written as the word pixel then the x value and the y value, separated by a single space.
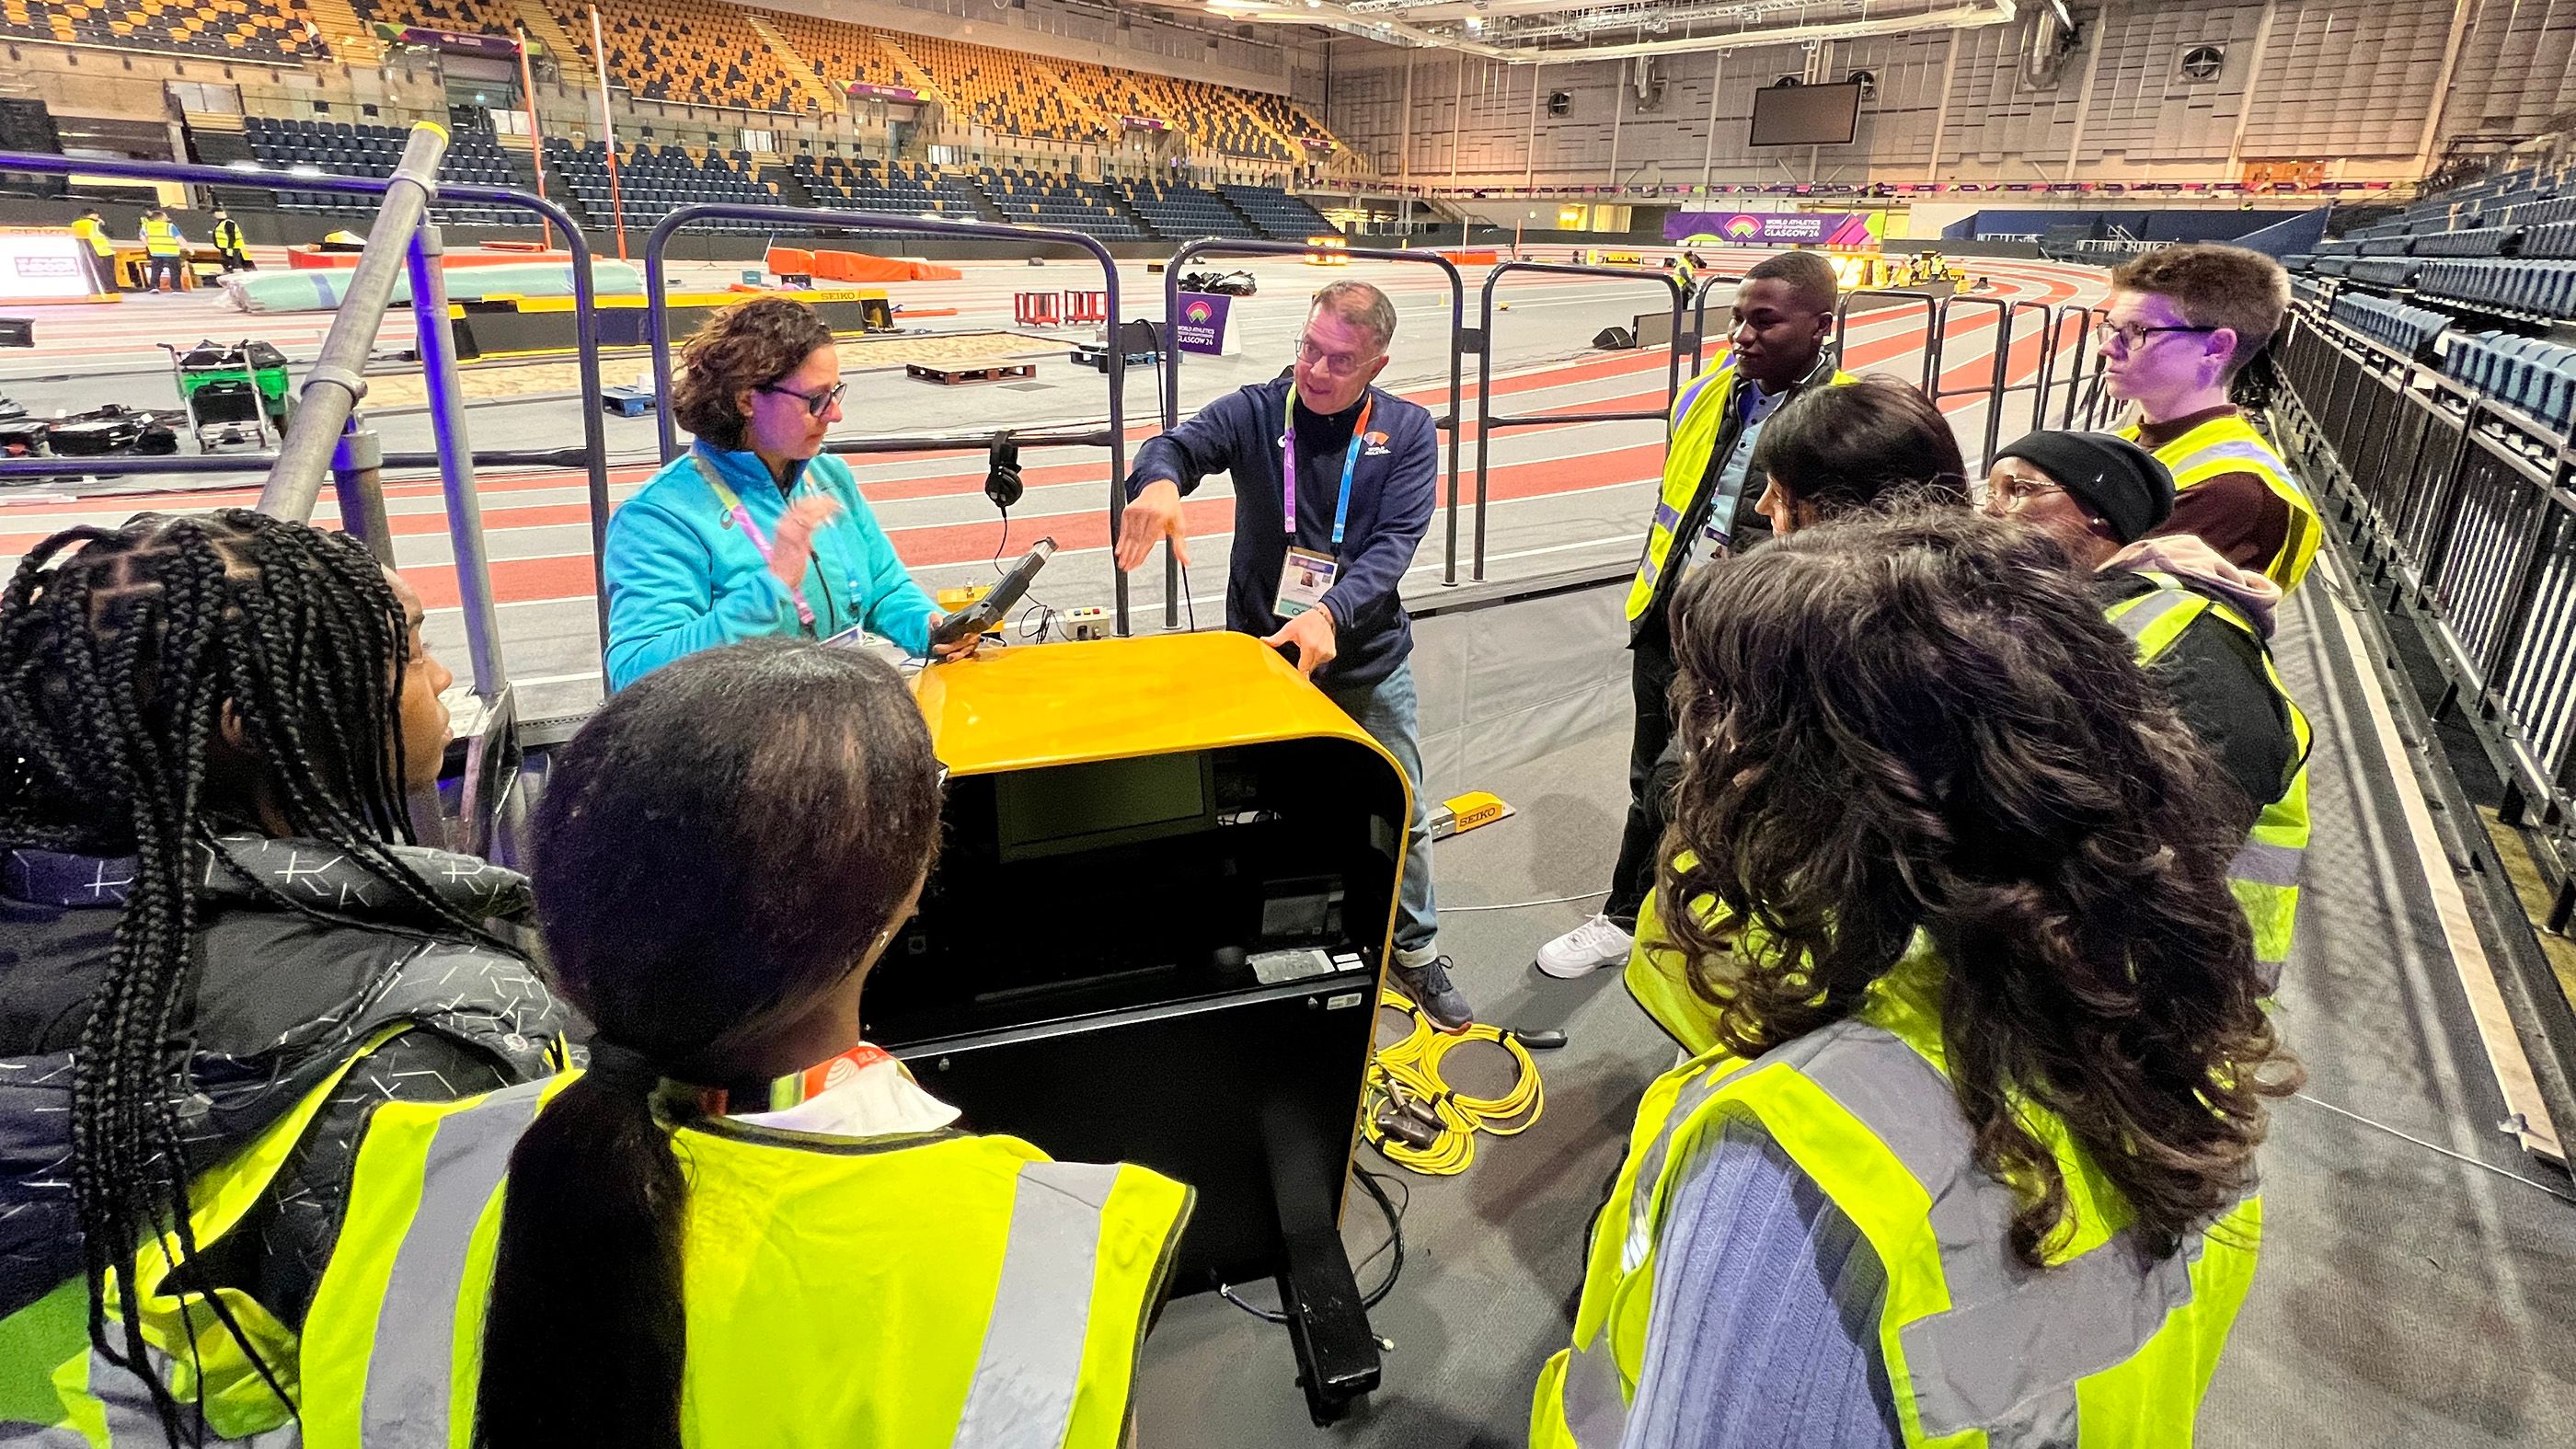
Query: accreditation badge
pixel 1303 577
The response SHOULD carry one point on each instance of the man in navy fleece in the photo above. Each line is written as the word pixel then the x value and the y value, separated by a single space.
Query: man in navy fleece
pixel 1315 571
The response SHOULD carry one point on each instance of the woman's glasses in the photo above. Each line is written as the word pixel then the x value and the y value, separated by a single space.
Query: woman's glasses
pixel 816 403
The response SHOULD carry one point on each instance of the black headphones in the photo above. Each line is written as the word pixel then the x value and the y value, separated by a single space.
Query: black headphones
pixel 1002 481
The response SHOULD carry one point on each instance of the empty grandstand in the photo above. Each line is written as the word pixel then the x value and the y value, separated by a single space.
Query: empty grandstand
pixel 1156 918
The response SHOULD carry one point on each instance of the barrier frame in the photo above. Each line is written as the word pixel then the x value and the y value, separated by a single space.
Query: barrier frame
pixel 2462 508
pixel 1487 420
pixel 657 327
pixel 1461 341
pixel 326 433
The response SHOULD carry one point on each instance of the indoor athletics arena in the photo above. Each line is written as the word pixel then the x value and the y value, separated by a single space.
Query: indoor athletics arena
pixel 1211 722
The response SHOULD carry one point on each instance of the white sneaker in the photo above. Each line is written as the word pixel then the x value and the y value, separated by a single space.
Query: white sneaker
pixel 1587 948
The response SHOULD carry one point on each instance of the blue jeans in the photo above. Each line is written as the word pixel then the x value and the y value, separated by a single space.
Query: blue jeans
pixel 1387 711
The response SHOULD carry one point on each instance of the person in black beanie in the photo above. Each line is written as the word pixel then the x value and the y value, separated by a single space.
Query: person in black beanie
pixel 2202 624
pixel 2095 493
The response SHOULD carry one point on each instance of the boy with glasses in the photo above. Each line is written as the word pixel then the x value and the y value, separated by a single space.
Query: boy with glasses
pixel 1317 561
pixel 2182 324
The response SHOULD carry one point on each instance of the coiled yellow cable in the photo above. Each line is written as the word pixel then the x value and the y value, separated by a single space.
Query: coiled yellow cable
pixel 1408 1071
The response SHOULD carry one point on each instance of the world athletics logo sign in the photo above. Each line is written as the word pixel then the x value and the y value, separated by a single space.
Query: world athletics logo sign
pixel 1201 326
pixel 1839 230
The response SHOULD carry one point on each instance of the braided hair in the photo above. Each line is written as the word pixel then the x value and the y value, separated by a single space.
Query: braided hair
pixel 122 652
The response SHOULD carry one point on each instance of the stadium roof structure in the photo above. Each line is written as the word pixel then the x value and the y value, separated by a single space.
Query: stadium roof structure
pixel 1532 31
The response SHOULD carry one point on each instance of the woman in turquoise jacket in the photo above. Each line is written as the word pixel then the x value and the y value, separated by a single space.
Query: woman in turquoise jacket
pixel 755 531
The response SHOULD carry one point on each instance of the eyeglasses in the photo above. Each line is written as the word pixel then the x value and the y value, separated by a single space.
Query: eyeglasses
pixel 816 403
pixel 2009 494
pixel 1339 364
pixel 2131 336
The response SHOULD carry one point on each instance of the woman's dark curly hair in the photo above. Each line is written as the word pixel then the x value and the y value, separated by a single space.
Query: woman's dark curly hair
pixel 749 344
pixel 1923 722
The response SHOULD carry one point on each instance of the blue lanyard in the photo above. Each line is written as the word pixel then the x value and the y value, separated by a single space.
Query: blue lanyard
pixel 1288 466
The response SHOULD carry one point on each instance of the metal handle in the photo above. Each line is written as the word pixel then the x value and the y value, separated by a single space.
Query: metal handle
pixel 333 385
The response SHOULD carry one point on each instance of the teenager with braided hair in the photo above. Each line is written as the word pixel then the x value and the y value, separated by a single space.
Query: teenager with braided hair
pixel 1973 1154
pixel 218 949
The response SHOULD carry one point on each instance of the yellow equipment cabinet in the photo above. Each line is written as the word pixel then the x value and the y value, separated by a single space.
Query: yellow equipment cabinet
pixel 1154 934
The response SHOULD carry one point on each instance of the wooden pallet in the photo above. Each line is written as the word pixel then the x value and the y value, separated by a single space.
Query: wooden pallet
pixel 950 374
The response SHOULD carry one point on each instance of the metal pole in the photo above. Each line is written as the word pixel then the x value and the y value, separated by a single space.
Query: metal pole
pixel 1529 152
pixel 358 479
pixel 608 131
pixel 536 137
pixel 437 345
pixel 333 384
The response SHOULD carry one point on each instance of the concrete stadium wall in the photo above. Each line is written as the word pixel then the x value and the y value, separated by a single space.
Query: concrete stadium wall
pixel 2362 87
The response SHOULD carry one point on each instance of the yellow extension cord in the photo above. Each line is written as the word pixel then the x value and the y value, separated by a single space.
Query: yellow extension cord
pixel 1408 1070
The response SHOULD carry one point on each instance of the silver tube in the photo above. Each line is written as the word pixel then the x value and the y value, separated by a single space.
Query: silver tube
pixel 358 477
pixel 455 462
pixel 333 385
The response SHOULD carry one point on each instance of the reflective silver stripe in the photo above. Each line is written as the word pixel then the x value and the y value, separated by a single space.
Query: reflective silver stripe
pixel 2269 865
pixel 410 1363
pixel 1666 518
pixel 2135 622
pixel 1650 1167
pixel 2236 452
pixel 2007 1356
pixel 1596 1410
pixel 1691 393
pixel 1023 1391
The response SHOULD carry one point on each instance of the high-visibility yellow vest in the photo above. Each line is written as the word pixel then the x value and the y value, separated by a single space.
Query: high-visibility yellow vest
pixel 1699 415
pixel 2265 874
pixel 228 235
pixel 89 230
pixel 161 238
pixel 51 1376
pixel 2102 1349
pixel 943 1288
pixel 2229 444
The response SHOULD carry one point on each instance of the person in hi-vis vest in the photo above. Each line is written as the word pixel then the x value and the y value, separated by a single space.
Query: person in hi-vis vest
pixel 2181 327
pixel 98 251
pixel 742 1225
pixel 1972 1156
pixel 1777 348
pixel 165 252
pixel 228 241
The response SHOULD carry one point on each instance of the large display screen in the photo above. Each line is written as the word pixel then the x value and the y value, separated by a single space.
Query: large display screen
pixel 1806 115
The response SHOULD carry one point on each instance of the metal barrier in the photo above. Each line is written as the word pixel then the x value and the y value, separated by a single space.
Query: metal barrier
pixel 1699 315
pixel 2462 511
pixel 2085 397
pixel 326 435
pixel 1114 437
pixel 1462 341
pixel 1487 420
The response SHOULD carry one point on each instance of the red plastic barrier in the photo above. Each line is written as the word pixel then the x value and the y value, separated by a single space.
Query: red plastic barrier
pixel 1086 307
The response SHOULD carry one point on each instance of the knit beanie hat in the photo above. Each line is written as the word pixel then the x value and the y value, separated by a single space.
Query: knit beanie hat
pixel 2113 478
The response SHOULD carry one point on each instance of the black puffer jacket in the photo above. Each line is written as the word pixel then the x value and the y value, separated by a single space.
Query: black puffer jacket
pixel 283 997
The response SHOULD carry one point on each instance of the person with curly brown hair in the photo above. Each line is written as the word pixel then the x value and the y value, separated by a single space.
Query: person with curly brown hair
pixel 1973 1152
pixel 755 531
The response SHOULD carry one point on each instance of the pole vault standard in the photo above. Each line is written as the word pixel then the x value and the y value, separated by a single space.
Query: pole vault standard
pixel 608 132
